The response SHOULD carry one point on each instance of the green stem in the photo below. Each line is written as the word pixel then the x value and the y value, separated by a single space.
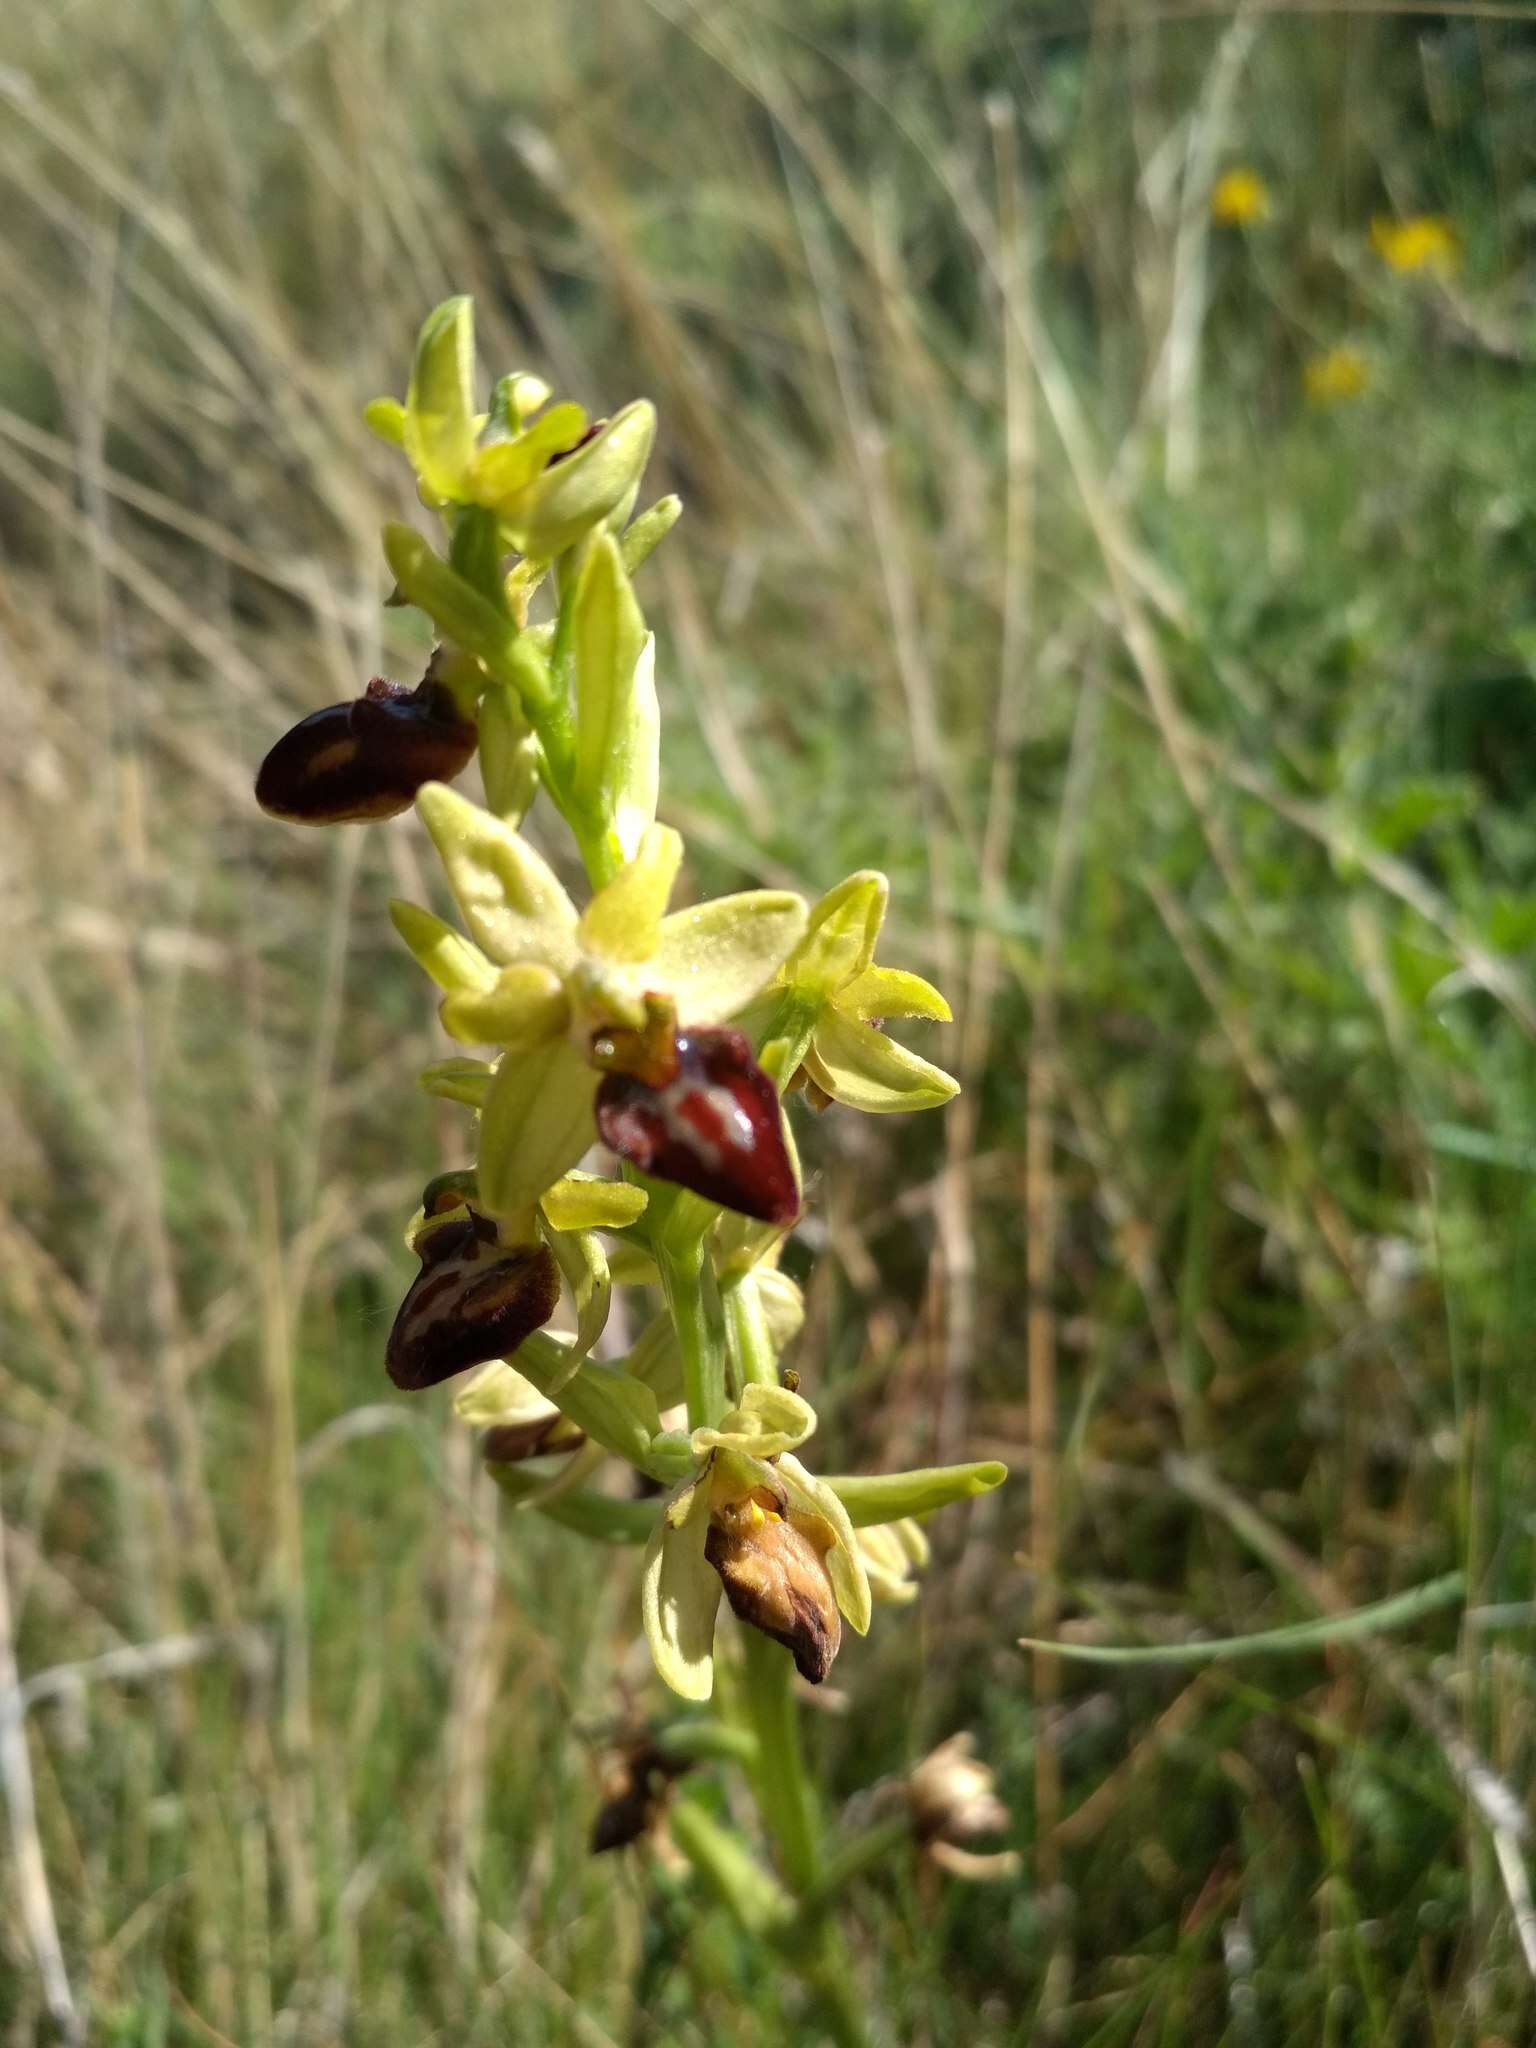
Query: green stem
pixel 783 1789
pixel 693 1303
pixel 746 1331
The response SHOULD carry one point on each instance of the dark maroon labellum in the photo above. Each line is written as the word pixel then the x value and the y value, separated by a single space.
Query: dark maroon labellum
pixel 713 1127
pixel 473 1300
pixel 367 759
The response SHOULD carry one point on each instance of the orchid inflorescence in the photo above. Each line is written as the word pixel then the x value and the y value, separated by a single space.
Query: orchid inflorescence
pixel 667 1035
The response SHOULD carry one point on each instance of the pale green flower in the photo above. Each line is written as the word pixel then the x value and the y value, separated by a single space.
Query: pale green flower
pixel 850 1058
pixel 540 978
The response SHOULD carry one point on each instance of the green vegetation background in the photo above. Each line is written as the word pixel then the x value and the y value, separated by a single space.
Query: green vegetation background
pixel 1195 725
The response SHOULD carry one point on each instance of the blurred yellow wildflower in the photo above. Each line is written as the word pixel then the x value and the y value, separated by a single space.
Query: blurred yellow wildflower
pixel 1239 198
pixel 1335 375
pixel 1426 241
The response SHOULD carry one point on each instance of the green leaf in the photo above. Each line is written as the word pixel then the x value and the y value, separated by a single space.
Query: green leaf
pixel 715 958
pixel 734 1873
pixel 509 755
pixel 512 900
pixel 863 1069
pixel 1297 1637
pixel 891 1496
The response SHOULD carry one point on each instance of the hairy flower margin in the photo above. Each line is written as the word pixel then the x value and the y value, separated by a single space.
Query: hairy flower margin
pixel 669 1034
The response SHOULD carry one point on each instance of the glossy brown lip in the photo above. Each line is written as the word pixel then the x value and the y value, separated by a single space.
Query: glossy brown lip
pixel 712 1125
pixel 351 763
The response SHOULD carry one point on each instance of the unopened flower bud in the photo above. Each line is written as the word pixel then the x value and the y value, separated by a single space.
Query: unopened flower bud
pixel 771 1565
pixel 582 485
pixel 366 759
pixel 712 1123
pixel 509 1443
pixel 473 1300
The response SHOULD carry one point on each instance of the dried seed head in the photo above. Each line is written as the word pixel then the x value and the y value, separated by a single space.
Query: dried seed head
pixel 714 1125
pixel 635 1794
pixel 951 1796
pixel 473 1300
pixel 366 759
pixel 771 1566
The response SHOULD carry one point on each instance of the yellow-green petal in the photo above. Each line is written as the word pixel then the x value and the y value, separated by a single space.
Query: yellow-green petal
pixel 526 1007
pixel 769 1420
pixel 585 1201
pixel 863 1069
pixel 452 961
pixel 622 923
pixel 892 992
pixel 715 958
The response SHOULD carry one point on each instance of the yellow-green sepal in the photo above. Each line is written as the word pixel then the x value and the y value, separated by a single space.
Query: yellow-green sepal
pixel 871 1498
pixel 536 1123
pixel 565 502
pixel 511 898
pixel 839 941
pixel 618 723
pixel 680 1594
pixel 458 1080
pixel 439 427
pixel 863 1069
pixel 714 958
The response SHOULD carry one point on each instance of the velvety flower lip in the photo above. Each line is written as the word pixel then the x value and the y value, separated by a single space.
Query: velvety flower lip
pixel 473 1300
pixel 351 763
pixel 711 1123
pixel 771 1565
